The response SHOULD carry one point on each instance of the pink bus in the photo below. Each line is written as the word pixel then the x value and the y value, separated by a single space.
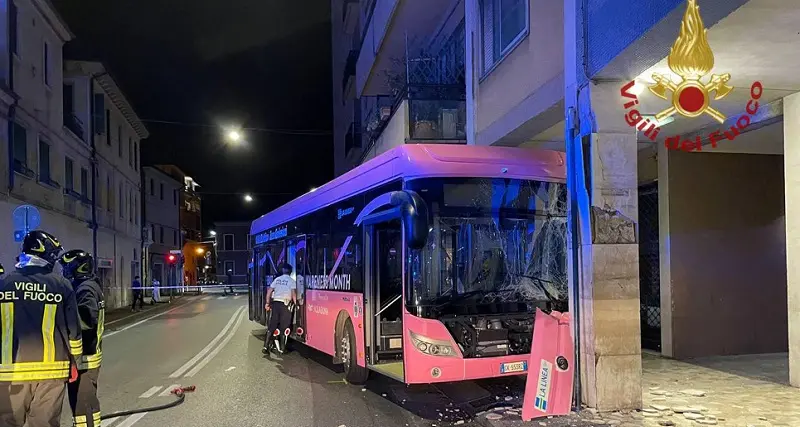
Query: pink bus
pixel 425 264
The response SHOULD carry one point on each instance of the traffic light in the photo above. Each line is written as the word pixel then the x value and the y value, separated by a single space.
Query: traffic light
pixel 171 258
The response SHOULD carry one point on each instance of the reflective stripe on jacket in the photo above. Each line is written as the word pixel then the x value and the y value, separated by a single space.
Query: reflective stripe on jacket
pixel 39 327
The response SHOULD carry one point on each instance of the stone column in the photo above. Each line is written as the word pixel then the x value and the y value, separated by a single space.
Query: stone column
pixel 609 303
pixel 791 170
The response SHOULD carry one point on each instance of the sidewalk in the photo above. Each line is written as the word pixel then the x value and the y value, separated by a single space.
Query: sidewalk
pixel 736 391
pixel 501 417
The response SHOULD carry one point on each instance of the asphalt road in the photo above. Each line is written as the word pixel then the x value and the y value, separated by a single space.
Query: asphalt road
pixel 207 341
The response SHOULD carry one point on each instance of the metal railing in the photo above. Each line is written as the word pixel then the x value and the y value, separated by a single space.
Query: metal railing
pixel 353 138
pixel 74 124
pixel 437 112
pixel 649 267
pixel 349 68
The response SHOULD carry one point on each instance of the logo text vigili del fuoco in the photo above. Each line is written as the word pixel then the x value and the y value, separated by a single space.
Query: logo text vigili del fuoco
pixel 691 59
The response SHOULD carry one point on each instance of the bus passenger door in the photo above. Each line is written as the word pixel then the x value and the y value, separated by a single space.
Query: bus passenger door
pixel 256 294
pixel 296 256
pixel 384 297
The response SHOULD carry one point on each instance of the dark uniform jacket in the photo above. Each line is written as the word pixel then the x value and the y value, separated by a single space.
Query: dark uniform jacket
pixel 92 311
pixel 39 328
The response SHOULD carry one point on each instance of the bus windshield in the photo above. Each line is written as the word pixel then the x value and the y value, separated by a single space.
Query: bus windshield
pixel 496 243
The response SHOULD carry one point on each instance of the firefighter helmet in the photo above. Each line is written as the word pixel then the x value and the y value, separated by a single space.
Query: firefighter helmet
pixel 43 245
pixel 77 264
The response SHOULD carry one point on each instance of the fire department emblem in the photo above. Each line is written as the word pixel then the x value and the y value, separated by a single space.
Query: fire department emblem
pixel 691 58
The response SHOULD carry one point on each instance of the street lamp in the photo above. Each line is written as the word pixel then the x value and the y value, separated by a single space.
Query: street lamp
pixel 234 135
pixel 248 198
pixel 200 251
pixel 212 233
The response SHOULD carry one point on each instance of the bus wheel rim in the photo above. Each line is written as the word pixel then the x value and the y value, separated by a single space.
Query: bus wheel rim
pixel 346 350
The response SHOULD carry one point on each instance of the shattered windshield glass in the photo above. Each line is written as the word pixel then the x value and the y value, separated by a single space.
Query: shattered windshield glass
pixel 491 241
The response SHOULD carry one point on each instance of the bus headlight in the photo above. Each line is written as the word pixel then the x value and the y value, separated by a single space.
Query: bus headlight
pixel 431 346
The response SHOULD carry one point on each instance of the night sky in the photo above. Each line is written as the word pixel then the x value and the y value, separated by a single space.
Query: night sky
pixel 205 63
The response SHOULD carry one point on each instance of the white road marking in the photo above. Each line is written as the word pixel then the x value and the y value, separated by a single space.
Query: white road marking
pixel 108 422
pixel 220 297
pixel 230 369
pixel 211 355
pixel 207 348
pixel 167 391
pixel 112 333
pixel 149 393
pixel 237 297
pixel 205 298
pixel 133 419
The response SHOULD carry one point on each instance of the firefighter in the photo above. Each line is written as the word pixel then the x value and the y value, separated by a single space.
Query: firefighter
pixel 40 336
pixel 78 266
pixel 281 297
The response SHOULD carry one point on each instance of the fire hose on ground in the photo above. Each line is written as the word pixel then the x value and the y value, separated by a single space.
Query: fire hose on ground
pixel 179 392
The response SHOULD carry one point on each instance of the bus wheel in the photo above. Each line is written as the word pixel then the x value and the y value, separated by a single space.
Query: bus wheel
pixel 353 373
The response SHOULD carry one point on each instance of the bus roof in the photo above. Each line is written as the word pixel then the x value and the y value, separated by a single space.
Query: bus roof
pixel 423 160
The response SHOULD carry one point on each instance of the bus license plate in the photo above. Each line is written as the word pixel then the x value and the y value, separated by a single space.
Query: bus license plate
pixel 507 368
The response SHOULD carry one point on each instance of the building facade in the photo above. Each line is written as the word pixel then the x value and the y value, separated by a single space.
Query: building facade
pixel 71 150
pixel 675 275
pixel 398 76
pixel 233 252
pixel 116 133
pixel 162 225
pixel 191 225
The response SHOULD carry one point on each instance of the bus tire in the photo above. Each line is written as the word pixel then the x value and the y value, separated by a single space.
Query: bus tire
pixel 354 374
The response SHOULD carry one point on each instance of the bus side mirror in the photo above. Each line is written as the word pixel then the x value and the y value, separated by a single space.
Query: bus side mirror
pixel 415 217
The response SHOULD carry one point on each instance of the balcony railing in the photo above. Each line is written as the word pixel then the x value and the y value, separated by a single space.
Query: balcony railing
pixel 349 69
pixel 74 124
pixel 353 138
pixel 435 116
pixel 376 112
pixel 436 113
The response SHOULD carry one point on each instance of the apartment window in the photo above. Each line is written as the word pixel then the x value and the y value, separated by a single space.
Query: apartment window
pixel 175 197
pixel 135 156
pixel 152 187
pixel 504 24
pixel 131 207
pixel 160 234
pixel 98 113
pixel 153 232
pixel 130 151
pixel 119 139
pixel 69 176
pixel 230 268
pixel 13 15
pixel 108 127
pixel 109 194
pixel 44 162
pixel 161 190
pixel 175 237
pixel 20 147
pixel 85 183
pixel 46 63
pixel 121 201
pixel 228 242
